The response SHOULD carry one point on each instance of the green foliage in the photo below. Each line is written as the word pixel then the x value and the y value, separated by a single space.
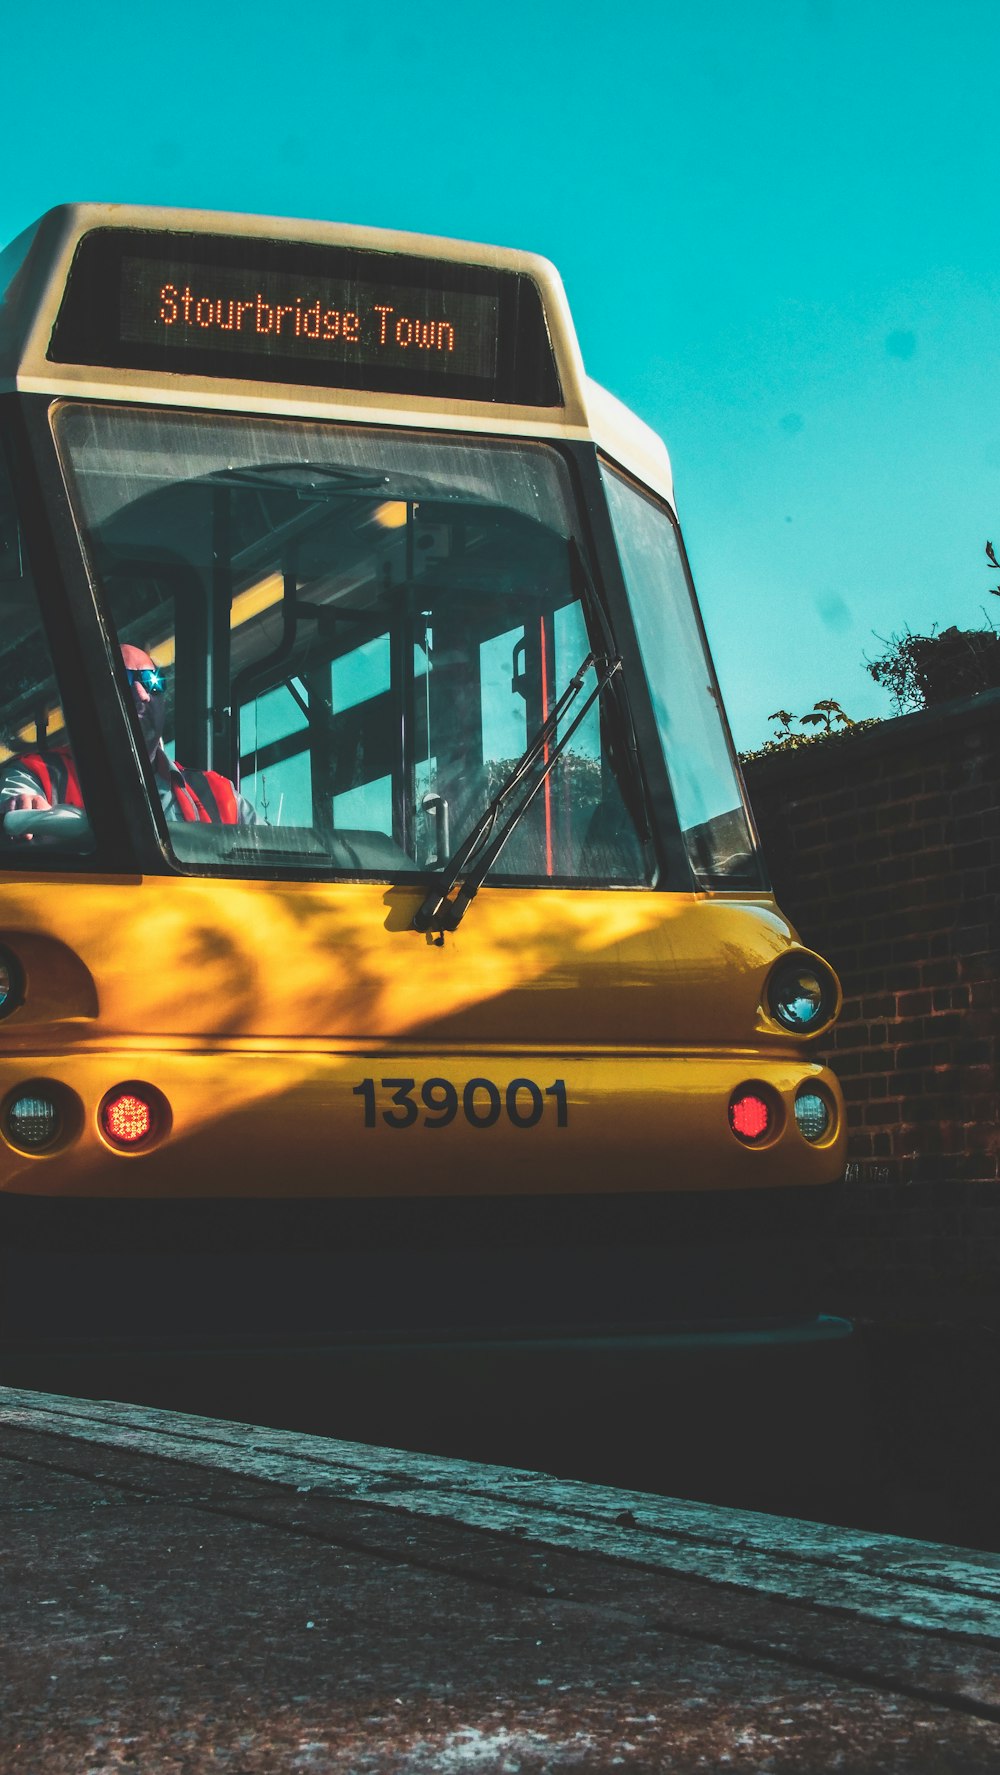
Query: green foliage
pixel 826 716
pixel 826 713
pixel 920 671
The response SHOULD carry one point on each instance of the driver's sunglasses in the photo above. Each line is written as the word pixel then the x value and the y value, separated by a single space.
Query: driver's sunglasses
pixel 150 677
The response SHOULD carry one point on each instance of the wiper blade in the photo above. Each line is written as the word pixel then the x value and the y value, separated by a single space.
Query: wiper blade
pixel 305 479
pixel 478 852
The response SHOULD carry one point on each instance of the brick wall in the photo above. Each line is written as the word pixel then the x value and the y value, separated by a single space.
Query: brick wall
pixel 884 848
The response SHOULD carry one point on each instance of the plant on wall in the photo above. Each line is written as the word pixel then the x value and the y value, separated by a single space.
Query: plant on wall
pixel 826 718
pixel 920 671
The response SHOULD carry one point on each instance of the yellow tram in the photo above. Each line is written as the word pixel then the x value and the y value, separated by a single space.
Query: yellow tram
pixel 384 940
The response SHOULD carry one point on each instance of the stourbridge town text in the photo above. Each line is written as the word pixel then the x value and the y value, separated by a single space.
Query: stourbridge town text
pixel 255 316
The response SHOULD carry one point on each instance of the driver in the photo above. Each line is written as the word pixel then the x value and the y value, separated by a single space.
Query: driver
pixel 44 780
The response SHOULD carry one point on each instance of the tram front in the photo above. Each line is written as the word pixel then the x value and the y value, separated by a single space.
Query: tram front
pixel 379 903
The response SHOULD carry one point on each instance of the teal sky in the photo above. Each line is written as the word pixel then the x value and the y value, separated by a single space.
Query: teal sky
pixel 777 225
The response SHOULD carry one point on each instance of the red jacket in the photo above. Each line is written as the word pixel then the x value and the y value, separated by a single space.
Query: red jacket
pixel 200 794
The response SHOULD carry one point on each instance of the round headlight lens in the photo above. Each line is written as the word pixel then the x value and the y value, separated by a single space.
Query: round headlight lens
pixel 812 1115
pixel 799 996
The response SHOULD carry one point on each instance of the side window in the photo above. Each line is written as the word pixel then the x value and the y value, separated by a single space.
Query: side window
pixel 41 802
pixel 688 712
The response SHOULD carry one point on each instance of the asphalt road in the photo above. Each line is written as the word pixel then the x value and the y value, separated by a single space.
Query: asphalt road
pixel 184 1594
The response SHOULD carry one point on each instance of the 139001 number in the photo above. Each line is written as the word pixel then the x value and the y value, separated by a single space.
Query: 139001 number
pixel 436 1102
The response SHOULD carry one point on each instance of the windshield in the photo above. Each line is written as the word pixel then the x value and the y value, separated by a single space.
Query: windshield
pixel 686 702
pixel 346 638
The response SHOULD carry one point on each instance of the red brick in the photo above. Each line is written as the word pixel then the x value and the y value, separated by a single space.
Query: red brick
pixel 882 1114
pixel 903 899
pixel 891 817
pixel 914 1003
pixel 880 1004
pixel 940 973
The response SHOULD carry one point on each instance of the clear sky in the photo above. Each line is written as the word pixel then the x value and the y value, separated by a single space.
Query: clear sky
pixel 777 224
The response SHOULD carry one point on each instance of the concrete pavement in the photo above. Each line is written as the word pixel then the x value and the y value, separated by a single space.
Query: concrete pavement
pixel 183 1594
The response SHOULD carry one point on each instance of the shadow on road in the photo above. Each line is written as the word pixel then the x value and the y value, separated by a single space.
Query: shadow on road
pixel 890 1429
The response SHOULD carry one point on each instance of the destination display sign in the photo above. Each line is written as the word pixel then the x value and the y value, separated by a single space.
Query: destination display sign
pixel 320 320
pixel 280 311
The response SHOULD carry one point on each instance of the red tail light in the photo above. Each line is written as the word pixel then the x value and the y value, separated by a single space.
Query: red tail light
pixel 127 1119
pixel 133 1115
pixel 749 1116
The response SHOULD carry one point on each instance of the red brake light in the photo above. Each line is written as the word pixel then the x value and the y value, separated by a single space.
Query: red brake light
pixel 749 1116
pixel 127 1118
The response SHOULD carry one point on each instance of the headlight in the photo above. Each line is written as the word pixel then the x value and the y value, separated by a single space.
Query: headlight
pixel 802 994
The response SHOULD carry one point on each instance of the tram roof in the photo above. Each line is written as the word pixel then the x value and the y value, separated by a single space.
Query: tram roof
pixel 35 270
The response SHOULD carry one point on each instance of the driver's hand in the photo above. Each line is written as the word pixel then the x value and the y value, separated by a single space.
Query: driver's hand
pixel 26 802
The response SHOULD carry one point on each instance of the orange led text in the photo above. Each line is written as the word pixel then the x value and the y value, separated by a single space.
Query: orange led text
pixel 255 316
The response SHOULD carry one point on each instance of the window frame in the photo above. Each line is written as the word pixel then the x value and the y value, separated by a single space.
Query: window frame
pixel 721 884
pixel 131 834
pixel 121 820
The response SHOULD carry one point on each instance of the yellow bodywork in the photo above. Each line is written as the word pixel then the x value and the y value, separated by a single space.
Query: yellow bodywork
pixel 259 1007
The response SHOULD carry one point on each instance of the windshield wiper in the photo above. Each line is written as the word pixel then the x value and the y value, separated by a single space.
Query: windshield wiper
pixel 479 851
pixel 294 477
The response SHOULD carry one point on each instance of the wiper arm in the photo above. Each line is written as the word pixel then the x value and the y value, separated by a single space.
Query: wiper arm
pixel 478 852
